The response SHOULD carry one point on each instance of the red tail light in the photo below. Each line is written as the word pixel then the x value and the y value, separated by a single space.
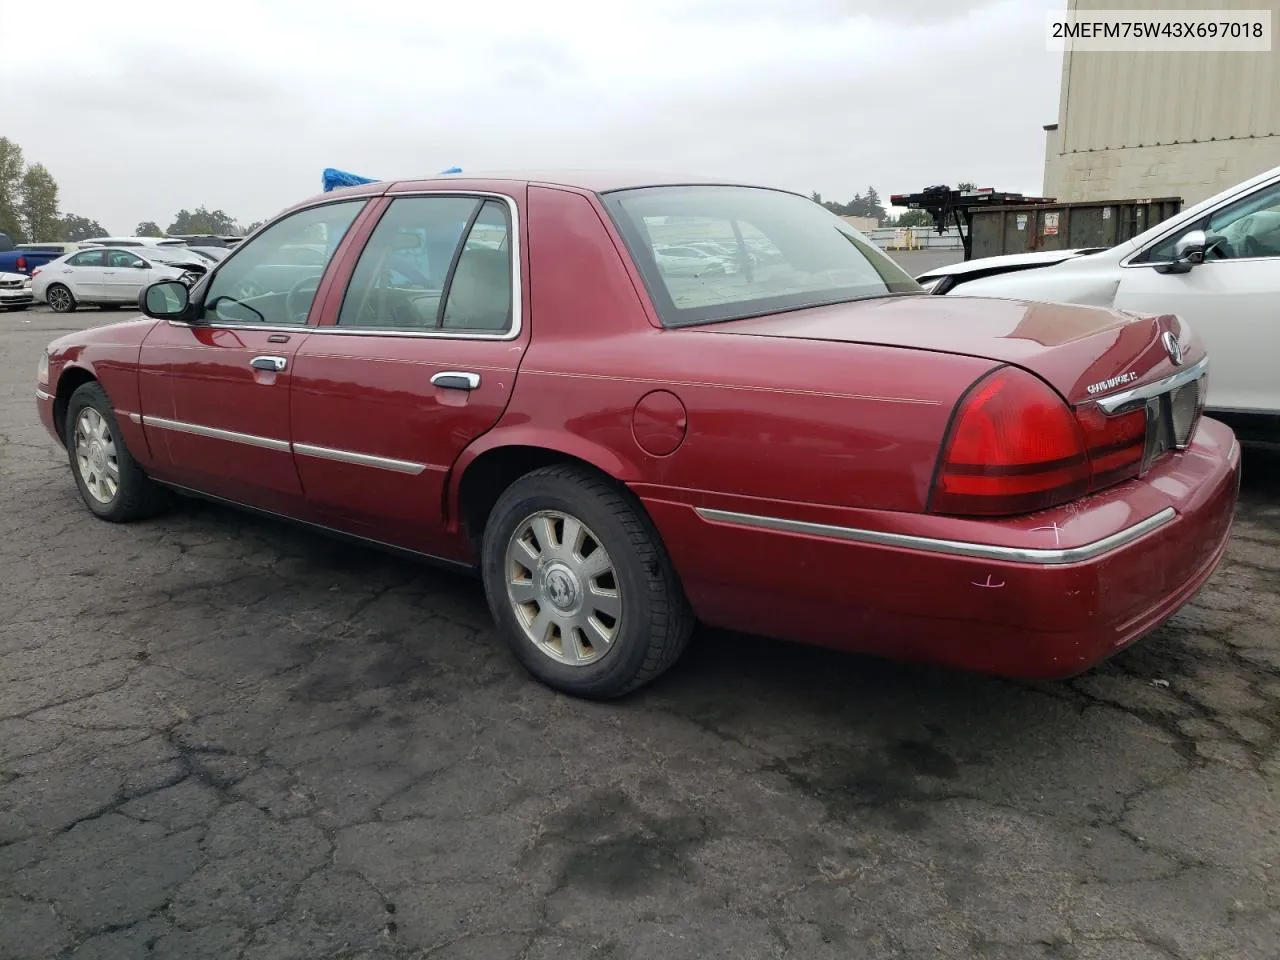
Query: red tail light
pixel 1015 446
pixel 1115 443
pixel 22 264
pixel 35 272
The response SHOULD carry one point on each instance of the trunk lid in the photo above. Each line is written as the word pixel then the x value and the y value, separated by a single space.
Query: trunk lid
pixel 1085 353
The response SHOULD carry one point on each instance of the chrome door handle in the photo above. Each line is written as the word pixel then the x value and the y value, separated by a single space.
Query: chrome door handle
pixel 456 380
pixel 274 364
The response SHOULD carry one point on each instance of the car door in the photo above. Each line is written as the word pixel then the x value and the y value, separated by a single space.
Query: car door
pixel 124 276
pixel 1229 299
pixel 215 390
pixel 414 359
pixel 83 274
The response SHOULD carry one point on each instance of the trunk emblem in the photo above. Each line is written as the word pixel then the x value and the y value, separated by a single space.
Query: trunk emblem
pixel 1173 347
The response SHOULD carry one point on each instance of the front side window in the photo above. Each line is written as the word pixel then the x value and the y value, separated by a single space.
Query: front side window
pixel 1246 228
pixel 90 258
pixel 722 253
pixel 434 263
pixel 120 258
pixel 263 283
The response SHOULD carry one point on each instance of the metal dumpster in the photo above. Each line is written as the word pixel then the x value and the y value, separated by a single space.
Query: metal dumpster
pixel 1062 226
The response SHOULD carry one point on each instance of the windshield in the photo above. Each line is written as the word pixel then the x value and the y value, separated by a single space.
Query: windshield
pixel 710 253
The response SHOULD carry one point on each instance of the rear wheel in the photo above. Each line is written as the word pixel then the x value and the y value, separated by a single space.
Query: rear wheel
pixel 580 584
pixel 110 481
pixel 60 298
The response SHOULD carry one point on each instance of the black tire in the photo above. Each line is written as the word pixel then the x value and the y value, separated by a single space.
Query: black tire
pixel 57 302
pixel 655 622
pixel 137 495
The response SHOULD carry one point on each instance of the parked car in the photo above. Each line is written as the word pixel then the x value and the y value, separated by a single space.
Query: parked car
pixel 1216 264
pixel 819 451
pixel 133 242
pixel 214 254
pixel 943 279
pixel 26 261
pixel 111 277
pixel 199 239
pixel 685 261
pixel 15 291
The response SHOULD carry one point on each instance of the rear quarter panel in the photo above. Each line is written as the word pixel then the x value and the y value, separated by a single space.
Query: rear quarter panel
pixel 750 418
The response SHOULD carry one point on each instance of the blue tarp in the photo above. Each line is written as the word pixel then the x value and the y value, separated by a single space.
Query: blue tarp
pixel 334 178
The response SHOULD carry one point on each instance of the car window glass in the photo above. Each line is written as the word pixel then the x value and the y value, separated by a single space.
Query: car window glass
pixel 401 273
pixel 479 295
pixel 1248 228
pixel 89 258
pixel 717 253
pixel 119 258
pixel 263 282
pixel 1251 224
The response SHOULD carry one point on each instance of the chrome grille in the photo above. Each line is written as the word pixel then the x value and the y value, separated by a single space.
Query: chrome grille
pixel 12 284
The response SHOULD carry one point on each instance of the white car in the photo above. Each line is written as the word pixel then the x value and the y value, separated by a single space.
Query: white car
pixel 680 261
pixel 1216 265
pixel 944 279
pixel 110 276
pixel 132 242
pixel 15 291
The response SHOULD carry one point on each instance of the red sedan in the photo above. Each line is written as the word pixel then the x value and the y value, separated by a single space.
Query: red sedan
pixel 632 404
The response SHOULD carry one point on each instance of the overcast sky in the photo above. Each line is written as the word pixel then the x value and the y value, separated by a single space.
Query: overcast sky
pixel 140 110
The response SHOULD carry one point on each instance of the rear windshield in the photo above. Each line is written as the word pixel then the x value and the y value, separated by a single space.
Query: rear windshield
pixel 710 253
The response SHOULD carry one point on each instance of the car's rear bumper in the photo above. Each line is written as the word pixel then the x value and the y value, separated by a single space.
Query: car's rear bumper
pixel 1045 596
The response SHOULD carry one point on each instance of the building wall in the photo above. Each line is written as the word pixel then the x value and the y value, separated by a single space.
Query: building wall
pixel 1149 124
pixel 862 224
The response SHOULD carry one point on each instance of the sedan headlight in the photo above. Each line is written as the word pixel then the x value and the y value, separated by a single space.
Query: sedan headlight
pixel 42 369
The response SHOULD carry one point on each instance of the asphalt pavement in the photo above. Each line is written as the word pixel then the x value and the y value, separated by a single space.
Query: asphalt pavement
pixel 221 737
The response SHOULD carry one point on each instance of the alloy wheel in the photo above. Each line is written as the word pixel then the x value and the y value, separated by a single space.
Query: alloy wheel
pixel 563 588
pixel 59 299
pixel 96 456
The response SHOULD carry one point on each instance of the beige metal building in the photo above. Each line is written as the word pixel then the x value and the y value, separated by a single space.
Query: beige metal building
pixel 1159 124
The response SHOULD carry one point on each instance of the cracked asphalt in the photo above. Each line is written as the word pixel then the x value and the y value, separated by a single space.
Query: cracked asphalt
pixel 221 737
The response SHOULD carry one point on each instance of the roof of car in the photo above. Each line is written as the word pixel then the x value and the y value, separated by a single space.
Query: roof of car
pixel 594 181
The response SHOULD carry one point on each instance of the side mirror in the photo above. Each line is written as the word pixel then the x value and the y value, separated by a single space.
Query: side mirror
pixel 165 300
pixel 1187 252
pixel 142 265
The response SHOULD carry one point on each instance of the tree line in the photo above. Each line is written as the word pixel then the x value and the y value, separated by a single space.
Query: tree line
pixel 868 205
pixel 30 212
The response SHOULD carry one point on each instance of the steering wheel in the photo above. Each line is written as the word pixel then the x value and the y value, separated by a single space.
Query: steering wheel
pixel 293 305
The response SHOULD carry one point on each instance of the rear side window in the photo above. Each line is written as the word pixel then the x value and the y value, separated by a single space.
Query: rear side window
pixel 711 253
pixel 90 258
pixel 441 263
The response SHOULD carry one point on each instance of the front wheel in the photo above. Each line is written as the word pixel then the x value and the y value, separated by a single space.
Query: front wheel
pixel 110 481
pixel 580 584
pixel 60 299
